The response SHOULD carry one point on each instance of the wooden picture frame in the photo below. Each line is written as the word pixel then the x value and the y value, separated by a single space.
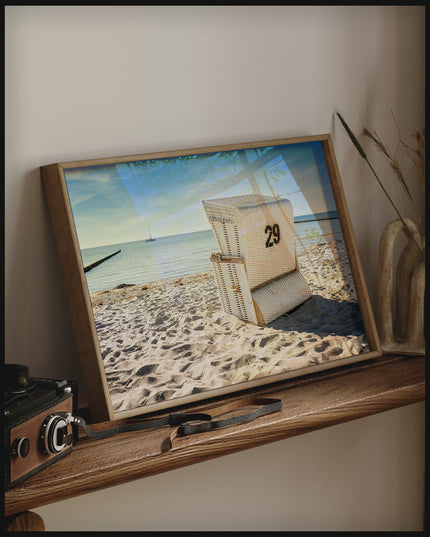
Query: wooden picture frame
pixel 195 273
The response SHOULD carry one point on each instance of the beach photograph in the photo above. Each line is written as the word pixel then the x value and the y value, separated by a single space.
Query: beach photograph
pixel 208 271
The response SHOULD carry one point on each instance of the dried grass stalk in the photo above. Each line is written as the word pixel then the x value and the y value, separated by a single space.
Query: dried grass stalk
pixel 394 165
pixel 416 154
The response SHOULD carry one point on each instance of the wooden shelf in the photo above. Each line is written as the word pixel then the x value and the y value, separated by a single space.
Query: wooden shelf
pixel 309 403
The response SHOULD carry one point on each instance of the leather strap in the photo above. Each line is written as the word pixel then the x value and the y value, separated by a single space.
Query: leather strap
pixel 266 406
pixel 172 419
pixel 182 420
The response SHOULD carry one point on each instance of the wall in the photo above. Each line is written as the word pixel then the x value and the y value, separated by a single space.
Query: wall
pixel 100 81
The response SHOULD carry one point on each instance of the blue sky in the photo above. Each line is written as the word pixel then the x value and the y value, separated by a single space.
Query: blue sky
pixel 121 202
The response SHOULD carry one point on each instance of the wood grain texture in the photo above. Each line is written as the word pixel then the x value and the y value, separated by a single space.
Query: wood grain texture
pixel 193 151
pixel 81 314
pixel 26 521
pixel 351 247
pixel 309 403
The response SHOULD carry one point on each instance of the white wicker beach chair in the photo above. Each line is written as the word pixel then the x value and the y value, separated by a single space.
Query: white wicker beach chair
pixel 256 270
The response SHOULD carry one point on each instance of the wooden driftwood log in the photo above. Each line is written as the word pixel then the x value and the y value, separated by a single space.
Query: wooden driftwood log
pixel 406 335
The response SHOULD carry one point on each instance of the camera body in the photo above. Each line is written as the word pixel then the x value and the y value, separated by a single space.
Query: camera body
pixel 38 429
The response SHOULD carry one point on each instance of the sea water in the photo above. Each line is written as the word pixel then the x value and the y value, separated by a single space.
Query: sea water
pixel 141 262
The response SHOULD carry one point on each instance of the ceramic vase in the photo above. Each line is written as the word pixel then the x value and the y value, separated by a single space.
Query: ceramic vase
pixel 401 331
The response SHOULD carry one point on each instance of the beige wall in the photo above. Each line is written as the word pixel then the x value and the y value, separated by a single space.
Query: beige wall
pixel 90 82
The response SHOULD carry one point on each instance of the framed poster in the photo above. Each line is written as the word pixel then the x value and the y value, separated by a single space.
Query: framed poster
pixel 195 273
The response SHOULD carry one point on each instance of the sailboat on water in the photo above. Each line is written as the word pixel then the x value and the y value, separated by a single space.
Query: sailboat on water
pixel 151 238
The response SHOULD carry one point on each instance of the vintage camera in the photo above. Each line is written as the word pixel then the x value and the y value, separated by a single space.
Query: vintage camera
pixel 37 421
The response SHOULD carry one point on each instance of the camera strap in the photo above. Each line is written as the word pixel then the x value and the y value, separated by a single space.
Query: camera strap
pixel 183 420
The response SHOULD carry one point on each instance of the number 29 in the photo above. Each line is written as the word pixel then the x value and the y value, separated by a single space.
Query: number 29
pixel 273 235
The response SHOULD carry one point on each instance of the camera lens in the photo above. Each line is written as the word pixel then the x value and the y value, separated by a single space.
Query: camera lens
pixel 54 435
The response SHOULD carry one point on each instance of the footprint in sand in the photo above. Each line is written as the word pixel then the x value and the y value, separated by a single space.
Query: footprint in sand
pixel 151 380
pixel 164 396
pixel 322 347
pixel 335 351
pixel 145 370
pixel 265 340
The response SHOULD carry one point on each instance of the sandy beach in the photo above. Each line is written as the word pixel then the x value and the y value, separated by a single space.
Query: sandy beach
pixel 171 339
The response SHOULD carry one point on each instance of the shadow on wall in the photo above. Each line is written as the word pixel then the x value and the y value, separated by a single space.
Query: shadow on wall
pixel 38 325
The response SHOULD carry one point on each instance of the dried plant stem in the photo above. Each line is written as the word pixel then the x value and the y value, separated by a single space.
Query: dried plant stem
pixel 395 166
pixel 417 155
pixel 364 156
pixel 394 163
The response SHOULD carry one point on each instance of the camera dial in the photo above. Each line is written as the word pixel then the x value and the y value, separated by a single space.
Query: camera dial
pixel 21 447
pixel 54 435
